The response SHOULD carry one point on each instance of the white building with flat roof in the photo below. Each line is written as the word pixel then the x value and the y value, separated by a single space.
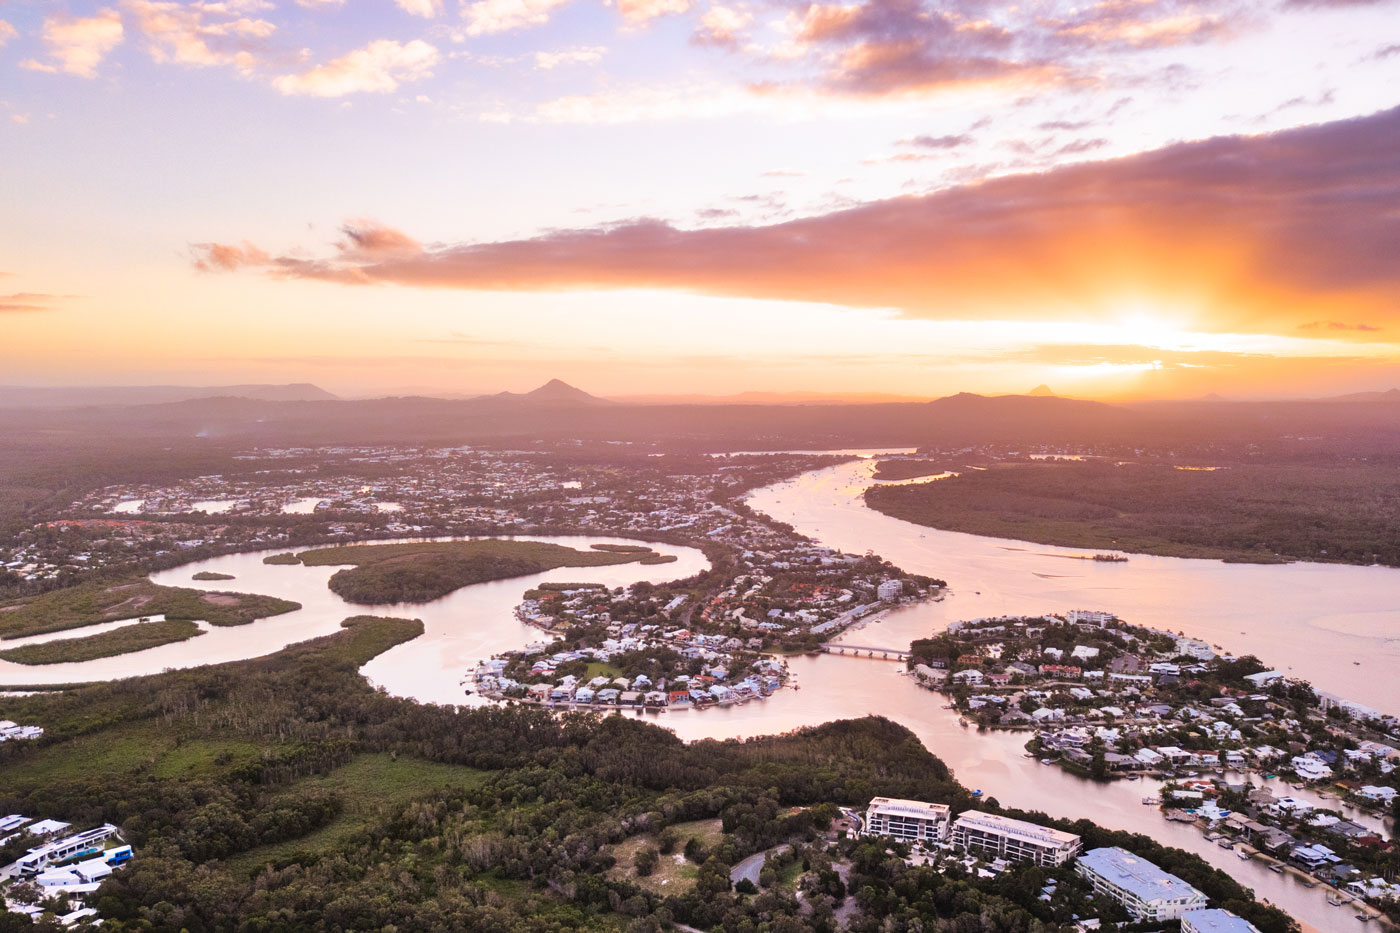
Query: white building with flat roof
pixel 993 836
pixel 1215 920
pixel 1145 891
pixel 907 820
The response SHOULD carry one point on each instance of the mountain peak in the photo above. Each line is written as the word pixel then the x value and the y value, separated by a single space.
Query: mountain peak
pixel 559 391
pixel 1042 391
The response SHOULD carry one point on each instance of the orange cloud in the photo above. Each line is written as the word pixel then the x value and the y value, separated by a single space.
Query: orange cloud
pixel 30 301
pixel 1271 231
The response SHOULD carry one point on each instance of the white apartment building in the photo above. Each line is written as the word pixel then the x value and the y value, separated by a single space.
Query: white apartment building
pixel 992 836
pixel 1145 891
pixel 907 820
pixel 890 589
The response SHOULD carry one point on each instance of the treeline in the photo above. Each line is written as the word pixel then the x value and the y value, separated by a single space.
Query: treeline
pixel 135 637
pixel 423 571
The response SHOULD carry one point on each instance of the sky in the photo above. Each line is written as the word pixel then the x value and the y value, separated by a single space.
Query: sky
pixel 1114 198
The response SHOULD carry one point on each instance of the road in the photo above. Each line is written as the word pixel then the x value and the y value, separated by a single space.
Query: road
pixel 748 868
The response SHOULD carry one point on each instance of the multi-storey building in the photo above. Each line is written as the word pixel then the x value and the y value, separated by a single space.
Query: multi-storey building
pixel 1145 891
pixel 907 820
pixel 993 836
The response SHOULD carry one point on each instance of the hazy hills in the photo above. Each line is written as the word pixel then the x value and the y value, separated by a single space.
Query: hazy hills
pixel 77 396
pixel 557 411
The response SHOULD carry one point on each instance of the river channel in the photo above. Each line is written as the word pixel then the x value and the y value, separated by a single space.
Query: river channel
pixel 461 628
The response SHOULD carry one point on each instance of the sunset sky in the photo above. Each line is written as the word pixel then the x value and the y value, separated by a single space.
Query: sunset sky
pixel 1126 198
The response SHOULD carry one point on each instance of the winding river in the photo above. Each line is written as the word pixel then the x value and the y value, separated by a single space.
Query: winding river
pixel 472 623
pixel 1312 620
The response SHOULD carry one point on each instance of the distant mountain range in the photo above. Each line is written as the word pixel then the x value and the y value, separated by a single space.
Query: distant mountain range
pixel 556 411
pixel 1390 395
pixel 80 396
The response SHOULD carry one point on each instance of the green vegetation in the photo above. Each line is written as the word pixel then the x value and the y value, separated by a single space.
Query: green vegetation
pixel 282 560
pixel 372 786
pixel 88 603
pixel 211 575
pixel 907 469
pixel 285 793
pixel 135 637
pixel 1247 512
pixel 423 571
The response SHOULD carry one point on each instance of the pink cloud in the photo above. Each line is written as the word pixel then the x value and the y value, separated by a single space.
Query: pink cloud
pixel 378 68
pixel 77 46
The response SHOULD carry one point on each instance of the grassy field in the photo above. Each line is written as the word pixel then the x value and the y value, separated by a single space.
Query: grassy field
pixel 371 784
pixel 379 574
pixel 1248 512
pixel 135 637
pixel 674 874
pixel 88 603
pixel 131 748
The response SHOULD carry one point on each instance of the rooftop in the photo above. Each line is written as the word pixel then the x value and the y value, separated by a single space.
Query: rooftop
pixel 894 805
pixel 1137 876
pixel 1216 920
pixel 1020 828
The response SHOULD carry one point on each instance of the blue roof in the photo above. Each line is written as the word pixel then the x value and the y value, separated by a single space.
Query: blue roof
pixel 1136 875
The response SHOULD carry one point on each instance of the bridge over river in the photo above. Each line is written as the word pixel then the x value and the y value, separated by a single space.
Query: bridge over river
pixel 865 651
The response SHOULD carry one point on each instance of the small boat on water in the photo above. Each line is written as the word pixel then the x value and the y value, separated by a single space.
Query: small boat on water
pixel 1151 801
pixel 1242 854
pixel 1337 900
pixel 1276 868
pixel 1225 843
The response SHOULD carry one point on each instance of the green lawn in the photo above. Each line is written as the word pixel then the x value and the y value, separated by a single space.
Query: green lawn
pixel 369 784
pixel 602 669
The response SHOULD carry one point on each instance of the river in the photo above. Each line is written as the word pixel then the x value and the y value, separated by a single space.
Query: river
pixel 467 625
pixel 1311 619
